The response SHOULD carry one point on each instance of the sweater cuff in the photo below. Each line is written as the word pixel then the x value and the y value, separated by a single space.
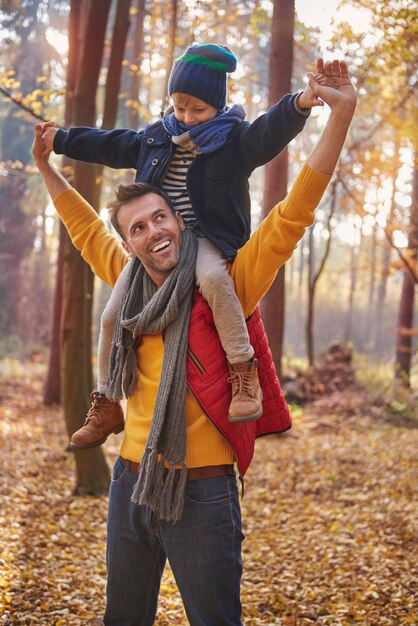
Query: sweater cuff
pixel 58 142
pixel 312 182
pixel 304 112
pixel 69 203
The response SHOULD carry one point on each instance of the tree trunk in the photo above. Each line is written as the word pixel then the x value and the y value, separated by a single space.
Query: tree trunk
pixel 387 254
pixel 120 32
pixel 153 38
pixel 406 307
pixel 354 267
pixel 366 339
pixel 311 291
pixel 135 76
pixel 301 263
pixel 52 390
pixel 111 102
pixel 275 184
pixel 251 82
pixel 313 277
pixel 172 30
pixel 15 220
pixel 92 472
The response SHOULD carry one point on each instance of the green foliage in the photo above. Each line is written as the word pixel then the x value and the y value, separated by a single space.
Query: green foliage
pixel 399 407
pixel 296 411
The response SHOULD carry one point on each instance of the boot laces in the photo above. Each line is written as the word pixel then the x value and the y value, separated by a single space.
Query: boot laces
pixel 242 381
pixel 95 413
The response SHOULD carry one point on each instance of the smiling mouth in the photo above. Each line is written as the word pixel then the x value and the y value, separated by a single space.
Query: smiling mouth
pixel 162 245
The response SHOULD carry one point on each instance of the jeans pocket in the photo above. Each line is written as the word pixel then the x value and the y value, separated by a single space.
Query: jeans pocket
pixel 211 490
pixel 119 471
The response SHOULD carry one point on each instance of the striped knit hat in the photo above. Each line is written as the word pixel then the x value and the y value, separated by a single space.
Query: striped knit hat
pixel 202 72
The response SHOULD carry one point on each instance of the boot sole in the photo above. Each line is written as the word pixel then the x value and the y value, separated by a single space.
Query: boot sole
pixel 236 419
pixel 96 444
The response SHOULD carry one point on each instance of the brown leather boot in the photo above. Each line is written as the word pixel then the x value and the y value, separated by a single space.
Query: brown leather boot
pixel 246 405
pixel 104 417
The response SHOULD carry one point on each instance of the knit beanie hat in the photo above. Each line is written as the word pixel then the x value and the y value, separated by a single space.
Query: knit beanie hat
pixel 202 72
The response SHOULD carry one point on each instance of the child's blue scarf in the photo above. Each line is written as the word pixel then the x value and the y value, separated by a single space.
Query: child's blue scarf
pixel 205 137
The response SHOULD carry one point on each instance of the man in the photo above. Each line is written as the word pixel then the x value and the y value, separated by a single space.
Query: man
pixel 174 493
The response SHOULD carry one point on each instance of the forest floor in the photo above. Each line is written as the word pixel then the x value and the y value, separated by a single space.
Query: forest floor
pixel 330 517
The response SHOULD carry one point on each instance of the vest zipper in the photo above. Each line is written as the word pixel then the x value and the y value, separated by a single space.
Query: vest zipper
pixel 196 361
pixel 217 428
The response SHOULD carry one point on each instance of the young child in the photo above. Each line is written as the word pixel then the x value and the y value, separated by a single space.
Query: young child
pixel 200 153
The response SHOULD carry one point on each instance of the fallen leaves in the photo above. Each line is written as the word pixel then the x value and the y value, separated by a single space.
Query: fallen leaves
pixel 329 514
pixel 331 526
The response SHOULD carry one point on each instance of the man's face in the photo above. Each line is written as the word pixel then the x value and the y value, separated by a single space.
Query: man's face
pixel 152 233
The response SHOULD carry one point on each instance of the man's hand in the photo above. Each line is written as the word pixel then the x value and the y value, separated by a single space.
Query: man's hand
pixel 332 84
pixel 54 182
pixel 49 130
pixel 308 99
pixel 40 152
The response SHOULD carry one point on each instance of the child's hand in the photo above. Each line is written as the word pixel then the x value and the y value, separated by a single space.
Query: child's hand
pixel 49 131
pixel 39 151
pixel 307 99
pixel 323 76
pixel 334 86
pixel 330 74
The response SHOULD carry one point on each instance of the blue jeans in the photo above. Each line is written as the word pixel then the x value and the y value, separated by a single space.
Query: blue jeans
pixel 203 549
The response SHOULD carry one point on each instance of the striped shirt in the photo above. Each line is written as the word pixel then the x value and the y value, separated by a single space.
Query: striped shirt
pixel 174 184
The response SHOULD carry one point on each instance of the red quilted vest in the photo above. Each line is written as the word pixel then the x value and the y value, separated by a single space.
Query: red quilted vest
pixel 207 380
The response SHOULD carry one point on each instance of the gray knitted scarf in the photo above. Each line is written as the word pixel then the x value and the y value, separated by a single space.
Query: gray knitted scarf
pixel 146 310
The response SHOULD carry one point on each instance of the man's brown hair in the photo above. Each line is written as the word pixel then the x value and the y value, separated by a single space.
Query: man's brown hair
pixel 126 193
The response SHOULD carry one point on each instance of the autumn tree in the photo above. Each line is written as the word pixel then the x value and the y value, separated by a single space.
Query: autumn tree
pixel 385 75
pixel 171 37
pixel 76 354
pixel 275 189
pixel 23 39
pixel 314 274
pixel 404 347
pixel 132 76
pixel 76 23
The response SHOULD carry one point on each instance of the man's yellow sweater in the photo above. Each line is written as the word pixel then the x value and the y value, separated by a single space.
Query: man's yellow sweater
pixel 253 271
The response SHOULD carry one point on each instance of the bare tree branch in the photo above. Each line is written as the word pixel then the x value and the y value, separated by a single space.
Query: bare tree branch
pixel 20 104
pixel 402 257
pixel 396 107
pixel 320 269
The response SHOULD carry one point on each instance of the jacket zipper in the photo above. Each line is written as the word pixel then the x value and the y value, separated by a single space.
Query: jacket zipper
pixel 196 361
pixel 217 428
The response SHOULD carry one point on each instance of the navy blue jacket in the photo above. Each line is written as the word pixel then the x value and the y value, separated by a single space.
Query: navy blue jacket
pixel 217 182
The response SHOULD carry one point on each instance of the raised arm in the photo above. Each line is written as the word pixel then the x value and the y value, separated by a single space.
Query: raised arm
pixel 342 102
pixel 88 232
pixel 115 148
pixel 270 133
pixel 274 241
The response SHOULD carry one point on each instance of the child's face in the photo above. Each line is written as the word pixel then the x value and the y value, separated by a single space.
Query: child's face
pixel 192 111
